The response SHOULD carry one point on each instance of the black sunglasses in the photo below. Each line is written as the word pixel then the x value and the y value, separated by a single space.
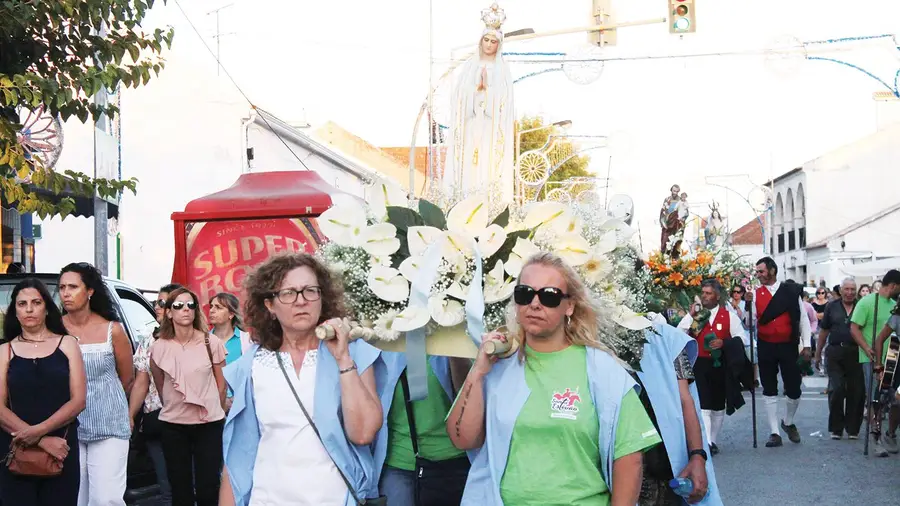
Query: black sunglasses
pixel 178 305
pixel 548 296
pixel 160 303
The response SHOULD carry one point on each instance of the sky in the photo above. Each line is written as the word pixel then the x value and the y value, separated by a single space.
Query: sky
pixel 368 66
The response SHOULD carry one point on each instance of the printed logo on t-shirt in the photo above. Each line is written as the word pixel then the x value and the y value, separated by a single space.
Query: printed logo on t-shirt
pixel 562 405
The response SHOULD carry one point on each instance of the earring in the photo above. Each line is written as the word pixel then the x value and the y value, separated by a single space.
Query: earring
pixel 568 320
pixel 273 315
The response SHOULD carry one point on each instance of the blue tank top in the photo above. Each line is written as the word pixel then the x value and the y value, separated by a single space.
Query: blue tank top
pixel 106 411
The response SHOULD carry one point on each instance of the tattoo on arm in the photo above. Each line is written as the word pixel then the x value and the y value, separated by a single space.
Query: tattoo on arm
pixel 462 409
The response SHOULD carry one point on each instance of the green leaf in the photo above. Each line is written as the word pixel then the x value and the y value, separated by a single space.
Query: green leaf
pixel 502 219
pixel 432 215
pixel 506 249
pixel 683 300
pixel 135 53
pixel 403 218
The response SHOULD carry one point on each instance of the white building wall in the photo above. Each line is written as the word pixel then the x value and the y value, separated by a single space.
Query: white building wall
pixel 182 139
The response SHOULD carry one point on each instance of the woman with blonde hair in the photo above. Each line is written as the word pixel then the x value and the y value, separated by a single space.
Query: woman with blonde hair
pixel 564 407
pixel 305 410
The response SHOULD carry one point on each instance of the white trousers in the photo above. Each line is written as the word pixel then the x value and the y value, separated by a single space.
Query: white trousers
pixel 103 472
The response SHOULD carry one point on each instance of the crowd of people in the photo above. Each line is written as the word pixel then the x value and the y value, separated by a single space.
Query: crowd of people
pixel 230 418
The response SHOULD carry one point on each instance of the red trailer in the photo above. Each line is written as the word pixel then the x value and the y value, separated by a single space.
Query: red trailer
pixel 220 237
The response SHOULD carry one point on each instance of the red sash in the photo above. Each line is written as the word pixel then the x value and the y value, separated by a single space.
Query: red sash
pixel 778 330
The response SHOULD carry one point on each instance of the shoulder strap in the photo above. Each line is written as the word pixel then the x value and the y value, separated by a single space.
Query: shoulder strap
pixel 410 416
pixel 875 322
pixel 208 349
pixel 109 333
pixel 314 428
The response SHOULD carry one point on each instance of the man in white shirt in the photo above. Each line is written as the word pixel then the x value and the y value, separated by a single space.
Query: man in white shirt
pixel 710 377
pixel 783 336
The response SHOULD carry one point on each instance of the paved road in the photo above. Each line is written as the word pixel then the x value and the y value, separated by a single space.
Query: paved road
pixel 818 471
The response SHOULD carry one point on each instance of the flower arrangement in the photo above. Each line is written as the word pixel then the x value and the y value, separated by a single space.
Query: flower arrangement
pixel 676 282
pixel 384 249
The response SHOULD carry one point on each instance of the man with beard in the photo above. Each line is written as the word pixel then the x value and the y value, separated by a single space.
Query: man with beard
pixel 709 373
pixel 782 329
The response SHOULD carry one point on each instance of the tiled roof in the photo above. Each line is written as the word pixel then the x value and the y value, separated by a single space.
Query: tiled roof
pixel 750 234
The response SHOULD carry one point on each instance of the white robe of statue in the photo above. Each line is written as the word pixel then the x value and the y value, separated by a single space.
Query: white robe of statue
pixel 482 130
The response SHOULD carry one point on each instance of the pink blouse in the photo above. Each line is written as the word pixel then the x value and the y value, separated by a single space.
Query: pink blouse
pixel 189 392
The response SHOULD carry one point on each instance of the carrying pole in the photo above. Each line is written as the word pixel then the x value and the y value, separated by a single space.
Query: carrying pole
pixel 752 327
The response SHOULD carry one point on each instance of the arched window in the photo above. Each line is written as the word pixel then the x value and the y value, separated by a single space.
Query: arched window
pixel 789 222
pixel 800 218
pixel 779 223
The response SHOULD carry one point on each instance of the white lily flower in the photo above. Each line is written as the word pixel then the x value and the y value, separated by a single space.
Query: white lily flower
pixel 411 318
pixel 409 268
pixel 380 240
pixel 496 286
pixel 523 250
pixel 343 223
pixel 384 194
pixel 596 268
pixel 419 238
pixel 607 243
pixel 631 320
pixel 459 244
pixel 554 215
pixel 384 326
pixel 446 312
pixel 468 217
pixel 491 240
pixel 458 290
pixel 573 248
pixel 376 261
pixel 574 225
pixel 621 228
pixel 387 284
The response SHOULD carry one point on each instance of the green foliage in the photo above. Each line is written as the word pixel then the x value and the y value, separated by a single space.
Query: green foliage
pixel 577 166
pixel 59 54
pixel 432 215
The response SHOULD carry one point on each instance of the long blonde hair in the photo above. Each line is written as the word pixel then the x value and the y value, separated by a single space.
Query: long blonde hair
pixel 586 326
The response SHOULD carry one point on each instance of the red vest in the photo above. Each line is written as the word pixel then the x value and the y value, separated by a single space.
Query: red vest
pixel 720 326
pixel 778 330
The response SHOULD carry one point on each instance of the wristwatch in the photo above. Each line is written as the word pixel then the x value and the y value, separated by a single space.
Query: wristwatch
pixel 701 453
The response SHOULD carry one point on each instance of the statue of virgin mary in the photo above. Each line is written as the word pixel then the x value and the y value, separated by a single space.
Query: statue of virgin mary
pixel 480 153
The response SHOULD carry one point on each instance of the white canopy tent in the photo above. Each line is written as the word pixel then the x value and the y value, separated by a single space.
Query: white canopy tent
pixel 874 269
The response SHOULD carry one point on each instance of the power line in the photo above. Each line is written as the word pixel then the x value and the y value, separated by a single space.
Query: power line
pixel 231 78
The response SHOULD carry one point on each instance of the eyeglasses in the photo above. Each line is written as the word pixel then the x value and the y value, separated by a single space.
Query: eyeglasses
pixel 160 303
pixel 290 295
pixel 179 305
pixel 820 293
pixel 737 292
pixel 548 296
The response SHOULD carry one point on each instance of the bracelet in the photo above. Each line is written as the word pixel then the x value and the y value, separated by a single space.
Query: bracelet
pixel 351 368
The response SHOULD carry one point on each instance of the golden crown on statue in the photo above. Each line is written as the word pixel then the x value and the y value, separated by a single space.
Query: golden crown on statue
pixel 493 16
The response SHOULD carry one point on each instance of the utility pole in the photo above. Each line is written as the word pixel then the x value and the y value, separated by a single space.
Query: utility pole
pixel 106 152
pixel 218 36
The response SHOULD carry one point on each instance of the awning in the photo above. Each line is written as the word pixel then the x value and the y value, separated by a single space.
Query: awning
pixel 282 194
pixel 84 206
pixel 872 269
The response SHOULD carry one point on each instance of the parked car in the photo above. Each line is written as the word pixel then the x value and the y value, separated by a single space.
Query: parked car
pixel 139 319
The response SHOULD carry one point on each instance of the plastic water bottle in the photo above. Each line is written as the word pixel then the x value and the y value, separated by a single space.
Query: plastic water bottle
pixel 682 486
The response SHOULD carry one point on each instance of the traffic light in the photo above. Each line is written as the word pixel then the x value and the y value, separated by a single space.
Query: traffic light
pixel 682 16
pixel 602 13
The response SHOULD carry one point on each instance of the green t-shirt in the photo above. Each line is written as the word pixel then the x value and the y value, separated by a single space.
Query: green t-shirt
pixel 554 457
pixel 864 315
pixel 434 443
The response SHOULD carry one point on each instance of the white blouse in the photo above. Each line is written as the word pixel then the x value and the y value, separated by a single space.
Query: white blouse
pixel 292 467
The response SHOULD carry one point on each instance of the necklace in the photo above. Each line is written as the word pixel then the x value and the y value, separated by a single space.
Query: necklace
pixel 36 342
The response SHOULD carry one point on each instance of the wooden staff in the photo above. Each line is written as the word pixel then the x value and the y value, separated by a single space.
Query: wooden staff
pixel 751 326
pixel 326 332
pixel 499 348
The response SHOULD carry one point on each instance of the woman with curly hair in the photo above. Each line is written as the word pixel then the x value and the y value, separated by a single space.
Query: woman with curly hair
pixel 300 403
pixel 564 407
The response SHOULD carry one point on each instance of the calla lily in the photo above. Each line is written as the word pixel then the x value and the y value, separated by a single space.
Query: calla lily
pixel 381 195
pixel 520 252
pixel 631 320
pixel 380 260
pixel 554 215
pixel 459 244
pixel 387 284
pixel 458 291
pixel 621 228
pixel 606 244
pixel 380 240
pixel 468 217
pixel 411 318
pixel 446 312
pixel 491 240
pixel 574 225
pixel 419 238
pixel 409 268
pixel 343 223
pixel 496 286
pixel 574 249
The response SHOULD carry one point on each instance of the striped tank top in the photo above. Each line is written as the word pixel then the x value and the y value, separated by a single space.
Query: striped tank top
pixel 105 415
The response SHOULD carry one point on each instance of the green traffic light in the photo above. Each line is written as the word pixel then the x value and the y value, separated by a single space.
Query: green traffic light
pixel 682 24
